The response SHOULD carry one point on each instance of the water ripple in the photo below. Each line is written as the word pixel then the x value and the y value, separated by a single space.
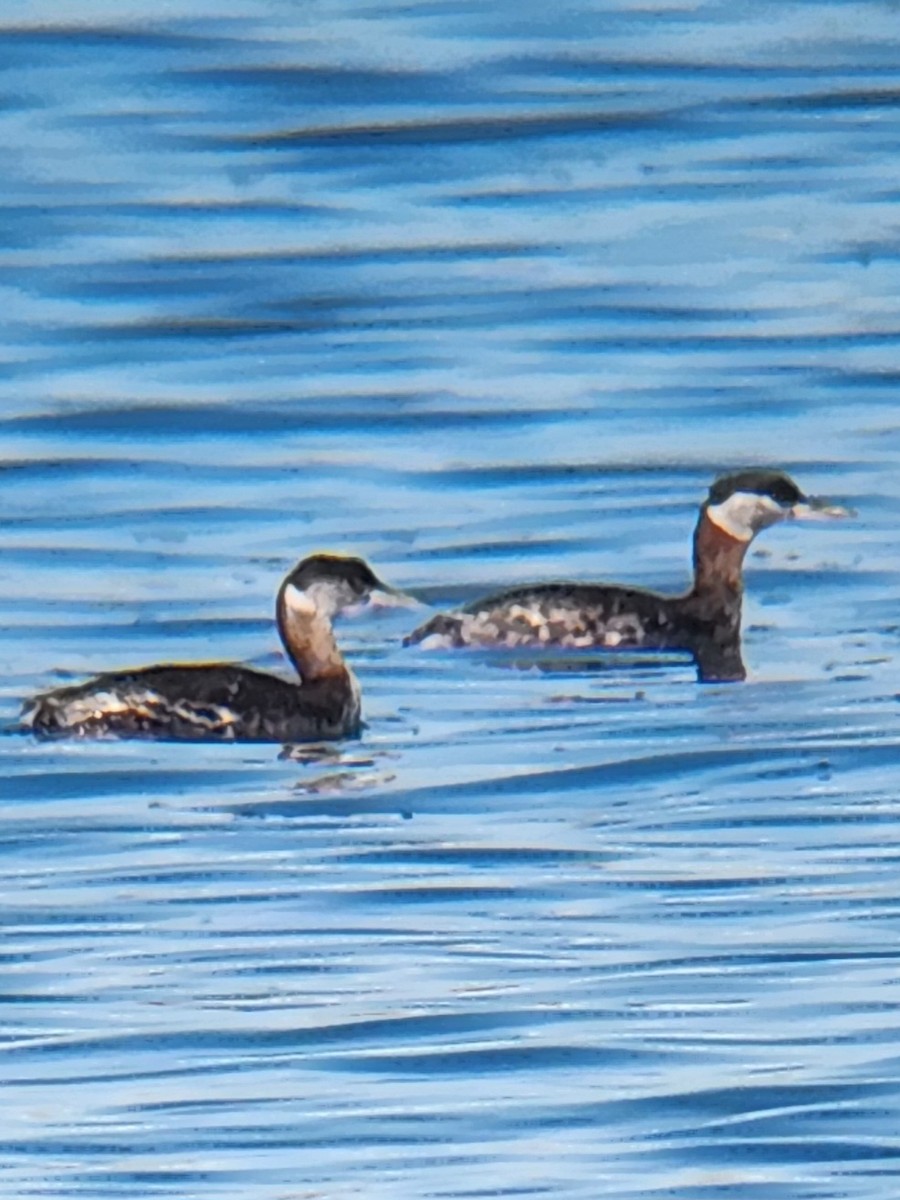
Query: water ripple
pixel 483 298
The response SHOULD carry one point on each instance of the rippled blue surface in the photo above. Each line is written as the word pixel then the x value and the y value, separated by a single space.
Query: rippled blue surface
pixel 485 294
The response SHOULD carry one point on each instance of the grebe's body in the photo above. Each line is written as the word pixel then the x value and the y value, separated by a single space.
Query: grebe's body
pixel 221 702
pixel 226 701
pixel 705 622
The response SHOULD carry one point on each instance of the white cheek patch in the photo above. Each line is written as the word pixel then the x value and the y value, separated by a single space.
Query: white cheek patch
pixel 298 602
pixel 744 514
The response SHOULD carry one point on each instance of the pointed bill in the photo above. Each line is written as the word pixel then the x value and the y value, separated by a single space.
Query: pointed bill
pixel 817 508
pixel 388 597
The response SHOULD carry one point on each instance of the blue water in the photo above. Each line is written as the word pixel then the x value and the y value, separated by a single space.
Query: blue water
pixel 485 294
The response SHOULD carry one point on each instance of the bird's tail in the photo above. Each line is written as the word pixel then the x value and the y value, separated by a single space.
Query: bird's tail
pixel 445 629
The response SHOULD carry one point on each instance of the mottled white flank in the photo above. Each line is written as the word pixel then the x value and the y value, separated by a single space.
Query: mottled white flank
pixel 539 621
pixel 529 615
pixel 87 711
pixel 208 716
pixel 744 514
pixel 82 710
pixel 299 602
pixel 437 641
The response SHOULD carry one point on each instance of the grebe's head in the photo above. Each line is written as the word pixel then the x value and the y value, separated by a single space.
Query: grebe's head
pixel 744 503
pixel 325 584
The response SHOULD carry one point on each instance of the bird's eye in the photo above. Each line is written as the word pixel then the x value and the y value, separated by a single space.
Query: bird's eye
pixel 783 494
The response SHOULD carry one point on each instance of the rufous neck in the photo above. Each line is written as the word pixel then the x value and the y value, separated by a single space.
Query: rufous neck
pixel 718 558
pixel 310 645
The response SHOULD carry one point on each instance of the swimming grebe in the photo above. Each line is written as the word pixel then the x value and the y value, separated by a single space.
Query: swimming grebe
pixel 225 701
pixel 706 622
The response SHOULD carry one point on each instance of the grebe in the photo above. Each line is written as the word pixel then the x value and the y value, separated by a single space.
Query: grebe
pixel 706 622
pixel 225 701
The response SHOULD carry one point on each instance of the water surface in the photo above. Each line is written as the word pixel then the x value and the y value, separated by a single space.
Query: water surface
pixel 485 296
